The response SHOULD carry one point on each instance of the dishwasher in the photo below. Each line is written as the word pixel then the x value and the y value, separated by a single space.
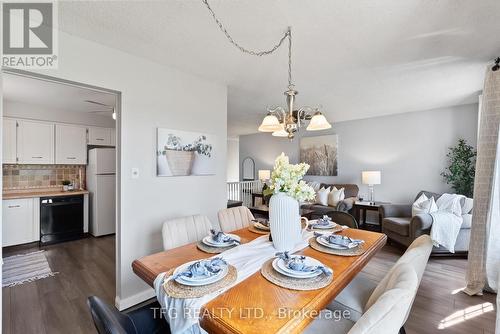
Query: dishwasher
pixel 61 219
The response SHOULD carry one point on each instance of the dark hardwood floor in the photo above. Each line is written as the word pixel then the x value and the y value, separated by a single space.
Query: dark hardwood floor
pixel 58 304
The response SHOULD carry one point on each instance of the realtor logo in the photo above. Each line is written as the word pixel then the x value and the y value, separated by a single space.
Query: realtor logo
pixel 29 34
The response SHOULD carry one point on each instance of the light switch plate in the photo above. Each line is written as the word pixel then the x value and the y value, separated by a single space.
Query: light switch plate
pixel 135 173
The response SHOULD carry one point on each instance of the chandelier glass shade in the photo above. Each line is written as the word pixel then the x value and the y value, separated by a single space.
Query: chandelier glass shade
pixel 270 123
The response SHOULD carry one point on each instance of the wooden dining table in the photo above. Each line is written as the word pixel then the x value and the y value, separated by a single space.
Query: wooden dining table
pixel 256 305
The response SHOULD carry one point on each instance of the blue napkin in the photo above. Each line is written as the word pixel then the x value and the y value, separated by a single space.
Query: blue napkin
pixel 222 238
pixel 339 240
pixel 296 263
pixel 203 268
pixel 325 221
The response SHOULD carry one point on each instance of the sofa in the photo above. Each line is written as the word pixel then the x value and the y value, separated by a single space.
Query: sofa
pixel 351 196
pixel 401 227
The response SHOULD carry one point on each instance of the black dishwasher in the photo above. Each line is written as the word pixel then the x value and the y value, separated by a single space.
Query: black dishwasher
pixel 61 218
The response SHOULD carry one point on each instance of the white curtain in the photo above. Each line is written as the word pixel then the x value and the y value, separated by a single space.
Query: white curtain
pixel 484 249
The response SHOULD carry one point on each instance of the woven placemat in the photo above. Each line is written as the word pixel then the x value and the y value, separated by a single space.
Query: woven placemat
pixel 304 284
pixel 334 229
pixel 342 252
pixel 176 290
pixel 212 250
pixel 254 229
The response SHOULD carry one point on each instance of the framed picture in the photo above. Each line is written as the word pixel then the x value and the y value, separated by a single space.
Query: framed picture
pixel 183 153
pixel 321 154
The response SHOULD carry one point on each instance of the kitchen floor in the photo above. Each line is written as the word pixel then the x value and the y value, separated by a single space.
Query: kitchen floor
pixel 59 304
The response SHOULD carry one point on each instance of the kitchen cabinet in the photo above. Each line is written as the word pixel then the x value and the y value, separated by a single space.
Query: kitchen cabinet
pixel 9 141
pixel 35 142
pixel 71 144
pixel 99 136
pixel 18 222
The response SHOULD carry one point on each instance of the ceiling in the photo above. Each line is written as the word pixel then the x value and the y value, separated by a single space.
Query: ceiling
pixel 57 96
pixel 357 59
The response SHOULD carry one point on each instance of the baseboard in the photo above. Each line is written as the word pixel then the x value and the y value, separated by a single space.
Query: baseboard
pixel 122 304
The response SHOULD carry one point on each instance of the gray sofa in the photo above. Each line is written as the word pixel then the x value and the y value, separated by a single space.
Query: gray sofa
pixel 399 226
pixel 351 195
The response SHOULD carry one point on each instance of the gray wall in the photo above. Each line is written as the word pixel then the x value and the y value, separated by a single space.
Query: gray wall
pixel 409 149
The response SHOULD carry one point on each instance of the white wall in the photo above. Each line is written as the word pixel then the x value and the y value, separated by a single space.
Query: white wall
pixel 409 149
pixel 233 159
pixel 152 96
pixel 30 111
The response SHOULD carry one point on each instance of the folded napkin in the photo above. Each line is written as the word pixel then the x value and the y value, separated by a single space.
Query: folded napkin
pixel 221 237
pixel 325 221
pixel 203 268
pixel 339 240
pixel 296 263
pixel 262 221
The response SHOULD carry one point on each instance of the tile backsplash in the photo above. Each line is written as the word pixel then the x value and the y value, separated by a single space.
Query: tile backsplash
pixel 18 177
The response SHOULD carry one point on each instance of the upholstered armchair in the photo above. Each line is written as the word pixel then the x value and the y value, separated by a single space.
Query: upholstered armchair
pixel 399 226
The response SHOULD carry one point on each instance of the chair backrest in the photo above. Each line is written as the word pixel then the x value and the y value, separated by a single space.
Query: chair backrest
pixel 417 256
pixel 108 320
pixel 234 218
pixel 181 231
pixel 388 312
pixel 343 218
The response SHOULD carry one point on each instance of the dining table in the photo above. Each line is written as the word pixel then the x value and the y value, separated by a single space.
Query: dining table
pixel 255 305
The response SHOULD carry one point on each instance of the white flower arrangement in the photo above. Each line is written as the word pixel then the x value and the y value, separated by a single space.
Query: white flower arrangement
pixel 287 178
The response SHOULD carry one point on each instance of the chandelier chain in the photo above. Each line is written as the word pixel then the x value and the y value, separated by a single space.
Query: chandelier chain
pixel 287 35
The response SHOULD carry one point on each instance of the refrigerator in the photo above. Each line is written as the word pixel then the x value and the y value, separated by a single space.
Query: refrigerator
pixel 101 183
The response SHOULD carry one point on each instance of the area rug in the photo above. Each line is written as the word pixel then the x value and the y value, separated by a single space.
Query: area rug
pixel 24 268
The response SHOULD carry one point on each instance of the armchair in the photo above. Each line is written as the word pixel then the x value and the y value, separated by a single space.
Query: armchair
pixel 399 226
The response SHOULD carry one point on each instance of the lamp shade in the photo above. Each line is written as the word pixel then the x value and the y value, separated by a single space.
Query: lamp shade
pixel 370 177
pixel 270 123
pixel 280 133
pixel 318 122
pixel 264 174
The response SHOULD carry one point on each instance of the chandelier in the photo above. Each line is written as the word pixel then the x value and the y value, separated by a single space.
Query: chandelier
pixel 282 122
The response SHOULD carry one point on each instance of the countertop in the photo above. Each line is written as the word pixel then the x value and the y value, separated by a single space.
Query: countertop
pixel 16 194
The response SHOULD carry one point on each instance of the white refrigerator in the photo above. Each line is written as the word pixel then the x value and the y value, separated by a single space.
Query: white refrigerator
pixel 101 180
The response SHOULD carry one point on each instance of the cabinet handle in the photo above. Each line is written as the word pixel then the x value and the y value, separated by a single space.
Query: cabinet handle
pixel 14 206
pixel 99 139
pixel 71 158
pixel 36 157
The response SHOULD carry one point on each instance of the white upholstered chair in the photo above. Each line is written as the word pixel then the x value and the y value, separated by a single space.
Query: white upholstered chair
pixel 234 218
pixel 181 231
pixel 359 294
pixel 386 311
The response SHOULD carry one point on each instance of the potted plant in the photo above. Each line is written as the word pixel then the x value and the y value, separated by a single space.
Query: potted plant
pixel 287 189
pixel 180 157
pixel 462 168
pixel 66 185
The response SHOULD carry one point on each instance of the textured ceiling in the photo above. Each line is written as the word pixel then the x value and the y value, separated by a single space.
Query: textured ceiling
pixel 357 59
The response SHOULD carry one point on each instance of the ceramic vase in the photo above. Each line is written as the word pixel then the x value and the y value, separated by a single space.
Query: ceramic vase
pixel 284 217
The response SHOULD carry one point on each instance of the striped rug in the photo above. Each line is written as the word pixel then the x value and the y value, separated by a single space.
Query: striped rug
pixel 24 268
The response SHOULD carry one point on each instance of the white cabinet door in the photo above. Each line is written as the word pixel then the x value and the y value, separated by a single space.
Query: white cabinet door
pixel 18 225
pixel 9 141
pixel 71 145
pixel 35 142
pixel 99 136
pixel 113 137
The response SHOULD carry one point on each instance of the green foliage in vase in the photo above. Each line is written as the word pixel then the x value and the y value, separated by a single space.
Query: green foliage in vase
pixel 460 172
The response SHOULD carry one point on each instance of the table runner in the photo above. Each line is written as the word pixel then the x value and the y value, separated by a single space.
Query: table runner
pixel 183 314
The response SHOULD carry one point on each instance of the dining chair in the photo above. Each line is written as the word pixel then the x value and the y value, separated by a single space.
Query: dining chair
pixel 343 218
pixel 185 230
pixel 144 320
pixel 360 294
pixel 386 315
pixel 234 218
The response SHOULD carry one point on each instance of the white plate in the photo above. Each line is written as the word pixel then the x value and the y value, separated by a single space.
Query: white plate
pixel 199 282
pixel 325 243
pixel 260 226
pixel 279 266
pixel 208 241
pixel 322 227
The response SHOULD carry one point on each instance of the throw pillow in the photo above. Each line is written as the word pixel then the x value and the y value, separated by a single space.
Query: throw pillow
pixel 315 185
pixel 335 196
pixel 322 196
pixel 423 205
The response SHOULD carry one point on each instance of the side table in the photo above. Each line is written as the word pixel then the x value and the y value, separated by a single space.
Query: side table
pixel 360 209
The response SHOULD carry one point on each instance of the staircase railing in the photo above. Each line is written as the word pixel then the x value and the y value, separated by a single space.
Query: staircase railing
pixel 242 191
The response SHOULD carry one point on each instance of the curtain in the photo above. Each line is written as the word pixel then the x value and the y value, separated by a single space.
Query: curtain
pixel 484 248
